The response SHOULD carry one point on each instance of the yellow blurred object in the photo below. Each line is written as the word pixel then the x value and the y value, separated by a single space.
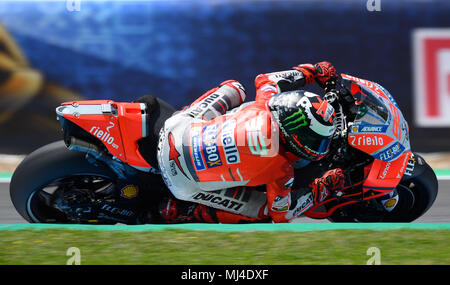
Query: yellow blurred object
pixel 8 63
pixel 18 90
pixel 19 82
pixel 129 191
pixel 22 84
pixel 390 203
pixel 27 100
pixel 60 93
pixel 12 48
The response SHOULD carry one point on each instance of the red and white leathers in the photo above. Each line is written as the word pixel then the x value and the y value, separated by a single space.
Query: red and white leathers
pixel 208 151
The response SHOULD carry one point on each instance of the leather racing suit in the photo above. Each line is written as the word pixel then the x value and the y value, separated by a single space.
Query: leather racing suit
pixel 215 150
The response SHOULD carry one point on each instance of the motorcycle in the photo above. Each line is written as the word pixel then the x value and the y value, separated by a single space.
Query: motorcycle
pixel 99 175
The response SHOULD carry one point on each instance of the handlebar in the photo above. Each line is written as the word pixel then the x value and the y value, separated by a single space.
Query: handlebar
pixel 334 97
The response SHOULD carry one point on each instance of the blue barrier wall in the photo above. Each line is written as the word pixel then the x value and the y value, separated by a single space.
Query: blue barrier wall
pixel 179 49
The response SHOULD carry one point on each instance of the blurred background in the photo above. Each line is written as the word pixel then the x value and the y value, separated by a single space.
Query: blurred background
pixel 56 51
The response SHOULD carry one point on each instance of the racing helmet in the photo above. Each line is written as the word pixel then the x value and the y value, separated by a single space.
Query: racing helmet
pixel 306 123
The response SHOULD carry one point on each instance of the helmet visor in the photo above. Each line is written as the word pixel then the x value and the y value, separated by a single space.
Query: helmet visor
pixel 313 144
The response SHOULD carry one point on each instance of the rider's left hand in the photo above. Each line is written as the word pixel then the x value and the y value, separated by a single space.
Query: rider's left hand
pixel 332 180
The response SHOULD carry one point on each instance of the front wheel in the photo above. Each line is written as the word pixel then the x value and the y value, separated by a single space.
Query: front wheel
pixel 47 180
pixel 419 191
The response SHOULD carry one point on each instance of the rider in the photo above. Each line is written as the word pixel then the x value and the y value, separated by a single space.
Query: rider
pixel 211 151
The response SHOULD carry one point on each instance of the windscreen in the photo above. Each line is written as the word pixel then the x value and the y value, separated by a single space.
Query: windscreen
pixel 371 109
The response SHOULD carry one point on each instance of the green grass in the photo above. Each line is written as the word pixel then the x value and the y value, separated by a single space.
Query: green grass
pixel 170 247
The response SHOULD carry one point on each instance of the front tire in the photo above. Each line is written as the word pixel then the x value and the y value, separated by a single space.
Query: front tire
pixel 423 185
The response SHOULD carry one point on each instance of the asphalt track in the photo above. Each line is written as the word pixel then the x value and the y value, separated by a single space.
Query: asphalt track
pixel 439 213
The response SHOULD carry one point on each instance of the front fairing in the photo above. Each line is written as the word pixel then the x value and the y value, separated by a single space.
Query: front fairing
pixel 379 128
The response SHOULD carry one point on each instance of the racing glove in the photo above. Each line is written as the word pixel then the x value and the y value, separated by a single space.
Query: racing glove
pixel 332 180
pixel 325 72
pixel 321 72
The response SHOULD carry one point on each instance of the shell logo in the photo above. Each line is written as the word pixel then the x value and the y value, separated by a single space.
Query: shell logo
pixel 390 203
pixel 129 191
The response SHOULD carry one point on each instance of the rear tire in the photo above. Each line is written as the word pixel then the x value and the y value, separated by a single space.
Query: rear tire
pixel 44 166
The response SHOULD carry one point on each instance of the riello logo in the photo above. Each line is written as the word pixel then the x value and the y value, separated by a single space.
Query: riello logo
pixel 104 136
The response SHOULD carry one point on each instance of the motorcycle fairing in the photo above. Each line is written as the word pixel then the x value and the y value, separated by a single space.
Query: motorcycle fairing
pixel 379 128
pixel 384 176
pixel 118 126
pixel 381 131
pixel 386 140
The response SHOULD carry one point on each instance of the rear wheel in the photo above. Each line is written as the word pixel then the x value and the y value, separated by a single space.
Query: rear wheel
pixel 52 177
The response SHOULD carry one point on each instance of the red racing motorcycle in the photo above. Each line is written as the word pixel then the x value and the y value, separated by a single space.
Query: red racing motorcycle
pixel 99 175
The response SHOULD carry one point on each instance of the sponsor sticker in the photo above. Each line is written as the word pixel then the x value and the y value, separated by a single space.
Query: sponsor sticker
pixel 385 171
pixel 129 191
pixel 390 203
pixel 392 152
pixel 372 129
pixel 104 136
pixel 362 140
pixel 173 168
pixel 196 151
pixel 209 146
pixel 203 105
pixel 410 166
pixel 218 200
pixel 303 204
pixel 281 204
pixel 117 211
pixel 228 142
